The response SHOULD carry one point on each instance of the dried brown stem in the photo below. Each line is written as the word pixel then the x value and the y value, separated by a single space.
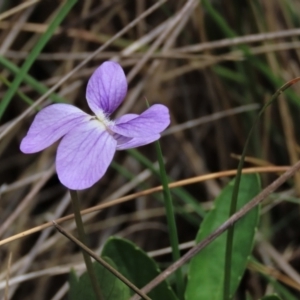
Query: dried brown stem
pixel 111 203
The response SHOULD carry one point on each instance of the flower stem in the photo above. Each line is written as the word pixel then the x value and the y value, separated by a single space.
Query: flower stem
pixel 171 221
pixel 83 239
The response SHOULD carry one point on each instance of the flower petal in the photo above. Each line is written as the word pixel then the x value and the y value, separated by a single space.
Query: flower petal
pixel 50 124
pixel 121 139
pixel 125 118
pixel 124 143
pixel 106 88
pixel 137 142
pixel 151 122
pixel 84 155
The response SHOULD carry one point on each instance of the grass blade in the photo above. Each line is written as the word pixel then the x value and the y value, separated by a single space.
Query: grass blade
pixel 34 53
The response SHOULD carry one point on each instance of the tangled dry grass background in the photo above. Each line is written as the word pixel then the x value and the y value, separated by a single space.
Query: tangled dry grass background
pixel 213 63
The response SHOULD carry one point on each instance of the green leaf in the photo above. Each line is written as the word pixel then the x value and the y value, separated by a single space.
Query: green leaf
pixel 172 228
pixel 136 266
pixel 35 84
pixel 271 297
pixel 111 287
pixel 206 274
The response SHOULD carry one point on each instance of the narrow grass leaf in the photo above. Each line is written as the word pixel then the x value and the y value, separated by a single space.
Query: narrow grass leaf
pixel 20 94
pixel 136 266
pixel 173 234
pixel 36 85
pixel 259 64
pixel 206 273
pixel 34 53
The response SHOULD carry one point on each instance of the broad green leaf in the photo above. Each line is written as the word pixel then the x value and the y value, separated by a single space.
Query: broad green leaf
pixel 206 273
pixel 136 266
pixel 271 297
pixel 110 286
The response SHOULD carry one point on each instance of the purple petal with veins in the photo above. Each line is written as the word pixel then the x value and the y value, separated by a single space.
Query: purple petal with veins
pixel 151 122
pixel 84 155
pixel 137 142
pixel 50 124
pixel 129 143
pixel 126 118
pixel 106 88
pixel 89 142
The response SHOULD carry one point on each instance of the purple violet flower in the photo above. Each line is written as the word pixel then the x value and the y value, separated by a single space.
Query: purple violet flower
pixel 89 142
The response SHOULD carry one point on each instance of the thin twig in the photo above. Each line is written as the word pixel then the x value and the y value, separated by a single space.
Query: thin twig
pixel 100 260
pixel 186 8
pixel 16 9
pixel 210 118
pixel 271 169
pixel 251 38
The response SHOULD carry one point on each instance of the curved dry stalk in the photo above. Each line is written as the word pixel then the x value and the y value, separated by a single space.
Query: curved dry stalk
pixel 272 169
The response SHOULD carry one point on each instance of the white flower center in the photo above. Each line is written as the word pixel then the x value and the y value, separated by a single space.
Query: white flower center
pixel 104 120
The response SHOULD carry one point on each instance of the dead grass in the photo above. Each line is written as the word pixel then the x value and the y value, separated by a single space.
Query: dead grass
pixel 213 84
